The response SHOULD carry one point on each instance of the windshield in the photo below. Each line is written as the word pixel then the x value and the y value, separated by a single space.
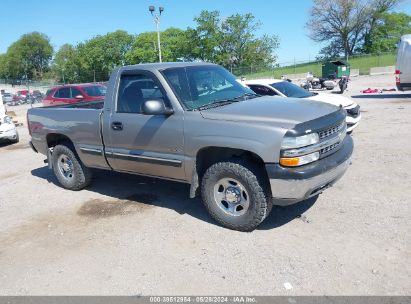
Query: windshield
pixel 198 86
pixel 95 91
pixel 291 90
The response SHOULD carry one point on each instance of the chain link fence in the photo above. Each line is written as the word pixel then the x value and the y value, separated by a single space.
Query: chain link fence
pixel 13 85
pixel 361 62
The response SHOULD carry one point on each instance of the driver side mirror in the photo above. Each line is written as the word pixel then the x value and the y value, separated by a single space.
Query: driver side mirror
pixel 155 107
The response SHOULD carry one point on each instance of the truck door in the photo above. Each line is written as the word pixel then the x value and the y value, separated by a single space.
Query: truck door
pixel 139 143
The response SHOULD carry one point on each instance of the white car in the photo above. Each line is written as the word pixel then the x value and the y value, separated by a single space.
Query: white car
pixel 8 131
pixel 275 87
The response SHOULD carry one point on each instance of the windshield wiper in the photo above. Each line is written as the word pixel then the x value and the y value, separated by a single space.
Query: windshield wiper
pixel 255 95
pixel 223 102
pixel 215 103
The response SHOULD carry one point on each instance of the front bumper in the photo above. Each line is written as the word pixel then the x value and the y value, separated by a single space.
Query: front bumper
pixel 353 117
pixel 292 185
pixel 352 122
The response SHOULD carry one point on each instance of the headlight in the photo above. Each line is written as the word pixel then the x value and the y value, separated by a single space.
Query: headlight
pixel 295 154
pixel 299 161
pixel 300 141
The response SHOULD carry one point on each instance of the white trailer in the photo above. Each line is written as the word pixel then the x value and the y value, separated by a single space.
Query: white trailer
pixel 403 66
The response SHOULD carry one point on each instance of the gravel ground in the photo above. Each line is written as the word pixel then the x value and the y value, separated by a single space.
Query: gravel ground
pixel 130 235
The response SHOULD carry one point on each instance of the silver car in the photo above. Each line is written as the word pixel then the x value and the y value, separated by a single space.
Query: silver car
pixel 7 97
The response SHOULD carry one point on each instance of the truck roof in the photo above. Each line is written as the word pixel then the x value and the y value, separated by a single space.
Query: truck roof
pixel 163 65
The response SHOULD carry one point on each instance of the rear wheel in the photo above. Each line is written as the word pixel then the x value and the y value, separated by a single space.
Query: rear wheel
pixel 68 168
pixel 236 195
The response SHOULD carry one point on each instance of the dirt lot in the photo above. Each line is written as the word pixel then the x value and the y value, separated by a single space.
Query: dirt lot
pixel 130 235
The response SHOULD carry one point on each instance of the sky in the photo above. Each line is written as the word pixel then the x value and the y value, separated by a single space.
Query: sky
pixel 73 21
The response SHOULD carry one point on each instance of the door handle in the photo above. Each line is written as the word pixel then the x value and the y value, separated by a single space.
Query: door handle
pixel 117 126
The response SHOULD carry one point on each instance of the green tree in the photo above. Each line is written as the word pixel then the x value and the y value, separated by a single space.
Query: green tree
pixel 30 55
pixel 378 9
pixel 387 32
pixel 240 47
pixel 98 56
pixel 206 37
pixel 66 64
pixel 145 49
pixel 231 41
pixel 4 73
pixel 345 24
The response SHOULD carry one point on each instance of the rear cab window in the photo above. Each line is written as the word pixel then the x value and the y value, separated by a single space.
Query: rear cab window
pixel 135 89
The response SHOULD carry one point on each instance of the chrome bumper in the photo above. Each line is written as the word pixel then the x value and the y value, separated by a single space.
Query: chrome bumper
pixel 292 185
pixel 288 192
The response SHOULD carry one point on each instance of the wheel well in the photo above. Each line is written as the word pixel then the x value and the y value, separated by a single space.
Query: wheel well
pixel 211 155
pixel 54 139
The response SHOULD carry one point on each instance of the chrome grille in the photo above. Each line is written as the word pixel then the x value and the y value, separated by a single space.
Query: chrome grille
pixel 329 148
pixel 330 131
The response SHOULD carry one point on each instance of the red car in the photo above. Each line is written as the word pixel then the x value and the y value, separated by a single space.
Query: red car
pixel 23 93
pixel 74 93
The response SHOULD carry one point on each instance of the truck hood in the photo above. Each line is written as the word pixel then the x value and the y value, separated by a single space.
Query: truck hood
pixel 285 112
pixel 333 99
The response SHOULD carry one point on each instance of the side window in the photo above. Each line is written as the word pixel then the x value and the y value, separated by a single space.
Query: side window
pixel 262 90
pixel 134 90
pixel 75 92
pixel 49 92
pixel 63 93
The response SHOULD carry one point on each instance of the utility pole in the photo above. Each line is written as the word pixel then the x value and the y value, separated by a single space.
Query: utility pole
pixel 157 20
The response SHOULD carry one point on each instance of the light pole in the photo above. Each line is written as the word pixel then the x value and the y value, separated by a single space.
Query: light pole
pixel 152 9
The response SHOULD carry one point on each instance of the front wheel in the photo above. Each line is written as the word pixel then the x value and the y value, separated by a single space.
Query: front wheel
pixel 68 168
pixel 17 139
pixel 236 195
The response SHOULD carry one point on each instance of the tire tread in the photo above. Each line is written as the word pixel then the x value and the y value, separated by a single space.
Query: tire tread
pixel 257 183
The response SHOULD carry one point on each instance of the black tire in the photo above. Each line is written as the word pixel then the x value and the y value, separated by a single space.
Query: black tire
pixel 78 177
pixel 257 189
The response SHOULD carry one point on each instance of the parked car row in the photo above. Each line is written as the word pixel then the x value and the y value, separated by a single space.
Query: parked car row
pixel 65 94
pixel 22 97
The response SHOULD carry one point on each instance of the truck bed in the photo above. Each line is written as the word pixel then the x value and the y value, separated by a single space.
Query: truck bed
pixel 96 104
pixel 79 122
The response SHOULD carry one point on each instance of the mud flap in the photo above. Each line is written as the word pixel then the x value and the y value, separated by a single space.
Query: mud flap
pixel 194 182
pixel 49 161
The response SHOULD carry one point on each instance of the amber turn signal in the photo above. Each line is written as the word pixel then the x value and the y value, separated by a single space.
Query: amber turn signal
pixel 289 162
